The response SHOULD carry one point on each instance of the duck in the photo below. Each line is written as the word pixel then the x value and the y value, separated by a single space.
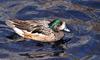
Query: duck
pixel 42 30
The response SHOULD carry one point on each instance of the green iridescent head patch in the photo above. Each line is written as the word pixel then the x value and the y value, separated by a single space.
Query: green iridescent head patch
pixel 54 23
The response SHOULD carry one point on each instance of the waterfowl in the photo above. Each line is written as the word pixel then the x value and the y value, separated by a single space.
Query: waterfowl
pixel 39 30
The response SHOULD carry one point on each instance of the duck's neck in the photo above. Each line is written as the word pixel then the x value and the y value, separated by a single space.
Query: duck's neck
pixel 54 23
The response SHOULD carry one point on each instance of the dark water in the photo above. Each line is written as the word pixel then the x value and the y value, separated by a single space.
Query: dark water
pixel 83 43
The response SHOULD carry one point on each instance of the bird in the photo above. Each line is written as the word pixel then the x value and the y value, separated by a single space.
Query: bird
pixel 39 30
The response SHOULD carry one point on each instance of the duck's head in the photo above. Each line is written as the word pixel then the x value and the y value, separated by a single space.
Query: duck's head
pixel 58 25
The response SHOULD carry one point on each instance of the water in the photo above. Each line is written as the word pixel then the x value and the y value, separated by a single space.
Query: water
pixel 82 43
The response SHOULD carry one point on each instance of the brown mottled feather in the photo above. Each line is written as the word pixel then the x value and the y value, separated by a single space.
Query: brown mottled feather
pixel 41 25
pixel 27 25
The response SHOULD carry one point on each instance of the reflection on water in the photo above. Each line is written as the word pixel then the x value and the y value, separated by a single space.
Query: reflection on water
pixel 82 17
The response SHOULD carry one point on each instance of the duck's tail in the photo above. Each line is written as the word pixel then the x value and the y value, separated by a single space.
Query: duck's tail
pixel 10 23
pixel 17 30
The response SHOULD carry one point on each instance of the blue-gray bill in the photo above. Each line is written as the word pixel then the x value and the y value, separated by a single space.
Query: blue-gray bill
pixel 66 29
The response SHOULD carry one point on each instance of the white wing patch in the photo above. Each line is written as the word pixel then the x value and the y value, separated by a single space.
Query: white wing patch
pixel 19 31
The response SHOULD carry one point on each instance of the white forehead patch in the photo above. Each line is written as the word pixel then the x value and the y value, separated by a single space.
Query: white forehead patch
pixel 62 26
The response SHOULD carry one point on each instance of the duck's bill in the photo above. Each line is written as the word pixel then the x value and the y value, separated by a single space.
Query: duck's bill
pixel 67 30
